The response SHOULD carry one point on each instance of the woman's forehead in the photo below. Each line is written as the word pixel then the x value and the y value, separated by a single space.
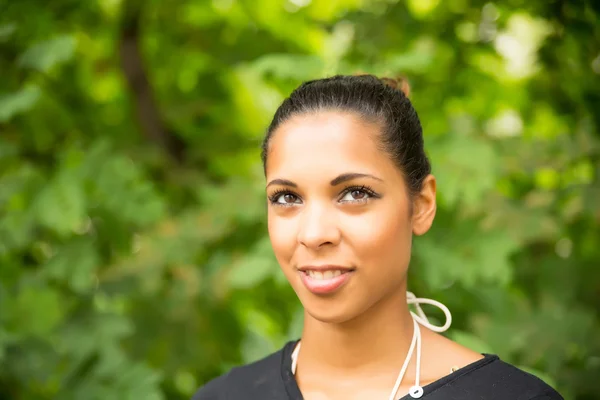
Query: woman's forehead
pixel 326 144
pixel 329 133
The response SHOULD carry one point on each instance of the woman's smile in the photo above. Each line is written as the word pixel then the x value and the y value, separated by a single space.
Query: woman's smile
pixel 325 279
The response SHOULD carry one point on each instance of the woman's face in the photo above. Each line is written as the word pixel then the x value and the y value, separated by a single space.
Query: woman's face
pixel 339 214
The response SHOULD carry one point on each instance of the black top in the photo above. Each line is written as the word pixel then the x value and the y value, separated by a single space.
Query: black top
pixel 271 378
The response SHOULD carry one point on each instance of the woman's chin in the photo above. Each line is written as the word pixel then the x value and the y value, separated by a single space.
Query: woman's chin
pixel 331 313
pixel 327 317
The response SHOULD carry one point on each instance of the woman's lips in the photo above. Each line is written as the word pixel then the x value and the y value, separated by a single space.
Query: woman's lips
pixel 324 280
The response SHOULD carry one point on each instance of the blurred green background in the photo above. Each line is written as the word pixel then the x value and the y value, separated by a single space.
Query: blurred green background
pixel 134 260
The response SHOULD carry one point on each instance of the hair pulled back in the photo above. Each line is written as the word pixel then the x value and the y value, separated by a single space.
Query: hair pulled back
pixel 379 100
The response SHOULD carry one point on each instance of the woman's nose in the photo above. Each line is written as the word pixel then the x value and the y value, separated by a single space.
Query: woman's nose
pixel 318 227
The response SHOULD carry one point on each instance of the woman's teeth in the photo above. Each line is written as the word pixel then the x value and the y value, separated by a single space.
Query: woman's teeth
pixel 324 275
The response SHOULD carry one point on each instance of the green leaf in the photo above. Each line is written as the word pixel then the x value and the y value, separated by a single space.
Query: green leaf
pixel 7 30
pixel 336 45
pixel 36 311
pixel 254 98
pixel 252 269
pixel 6 339
pixel 466 168
pixel 118 185
pixel 92 333
pixel 45 55
pixel 294 66
pixel 61 206
pixel 468 256
pixel 329 10
pixel 18 102
pixel 75 264
pixel 471 341
pixel 185 382
pixel 422 8
pixel 418 58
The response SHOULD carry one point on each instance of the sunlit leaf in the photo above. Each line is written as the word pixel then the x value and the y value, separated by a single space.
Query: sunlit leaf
pixel 421 8
pixel 301 67
pixel 61 206
pixel 43 56
pixel 18 102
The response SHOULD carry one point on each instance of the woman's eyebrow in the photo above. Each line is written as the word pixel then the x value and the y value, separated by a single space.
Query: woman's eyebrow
pixel 282 182
pixel 352 175
pixel 340 179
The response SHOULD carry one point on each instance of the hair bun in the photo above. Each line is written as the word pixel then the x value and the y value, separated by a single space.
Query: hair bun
pixel 397 83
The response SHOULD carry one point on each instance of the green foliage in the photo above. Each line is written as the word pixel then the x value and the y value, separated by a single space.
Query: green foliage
pixel 134 259
pixel 45 55
pixel 20 101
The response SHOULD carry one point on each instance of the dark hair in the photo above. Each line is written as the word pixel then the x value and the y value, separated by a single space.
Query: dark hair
pixel 383 101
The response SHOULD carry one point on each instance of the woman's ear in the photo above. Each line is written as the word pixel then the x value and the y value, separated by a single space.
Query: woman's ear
pixel 424 207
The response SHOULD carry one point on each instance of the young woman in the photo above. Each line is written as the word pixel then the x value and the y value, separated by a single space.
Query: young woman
pixel 348 186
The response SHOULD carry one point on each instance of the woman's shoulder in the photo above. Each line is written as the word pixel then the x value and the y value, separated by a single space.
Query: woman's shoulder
pixel 259 377
pixel 482 375
pixel 492 378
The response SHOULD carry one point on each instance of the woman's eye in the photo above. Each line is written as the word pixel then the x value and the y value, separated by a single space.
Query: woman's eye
pixel 355 195
pixel 286 198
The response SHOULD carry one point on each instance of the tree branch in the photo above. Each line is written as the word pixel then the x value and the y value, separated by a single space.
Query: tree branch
pixel 147 112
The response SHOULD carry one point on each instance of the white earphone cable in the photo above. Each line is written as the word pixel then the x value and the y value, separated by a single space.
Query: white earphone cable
pixel 422 318
pixel 415 339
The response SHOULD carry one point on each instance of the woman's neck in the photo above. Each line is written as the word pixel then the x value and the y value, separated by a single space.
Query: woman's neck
pixel 373 342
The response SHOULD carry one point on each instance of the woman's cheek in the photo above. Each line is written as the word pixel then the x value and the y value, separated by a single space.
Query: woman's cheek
pixel 283 239
pixel 381 237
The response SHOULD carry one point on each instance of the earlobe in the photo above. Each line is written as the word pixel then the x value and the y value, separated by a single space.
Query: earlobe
pixel 424 207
